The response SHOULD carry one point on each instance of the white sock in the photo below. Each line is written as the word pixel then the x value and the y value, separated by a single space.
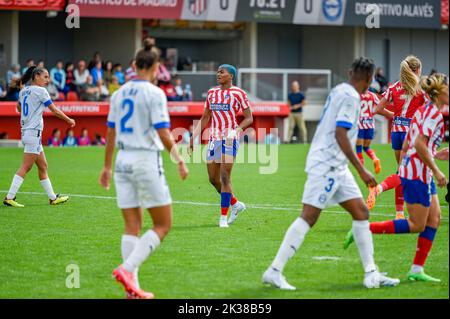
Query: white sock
pixel 364 242
pixel 380 189
pixel 416 269
pixel 127 247
pixel 47 185
pixel 143 248
pixel 15 185
pixel 291 243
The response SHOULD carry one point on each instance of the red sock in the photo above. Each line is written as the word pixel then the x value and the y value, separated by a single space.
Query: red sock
pixel 233 200
pixel 424 244
pixel 391 182
pixel 371 154
pixel 224 211
pixel 399 200
pixel 383 227
pixel 361 157
pixel 423 249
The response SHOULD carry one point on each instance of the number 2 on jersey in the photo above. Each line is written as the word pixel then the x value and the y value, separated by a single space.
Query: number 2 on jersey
pixel 128 107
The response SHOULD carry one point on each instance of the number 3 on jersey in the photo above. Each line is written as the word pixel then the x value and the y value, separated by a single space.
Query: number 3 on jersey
pixel 128 108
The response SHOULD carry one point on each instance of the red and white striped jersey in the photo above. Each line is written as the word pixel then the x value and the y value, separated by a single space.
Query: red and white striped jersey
pixel 225 105
pixel 428 121
pixel 404 106
pixel 369 101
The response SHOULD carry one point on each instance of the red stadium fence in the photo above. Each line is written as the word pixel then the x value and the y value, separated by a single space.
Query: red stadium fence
pixel 92 115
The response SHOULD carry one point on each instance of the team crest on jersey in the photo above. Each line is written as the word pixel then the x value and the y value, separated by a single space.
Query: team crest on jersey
pixel 197 7
pixel 322 198
pixel 220 107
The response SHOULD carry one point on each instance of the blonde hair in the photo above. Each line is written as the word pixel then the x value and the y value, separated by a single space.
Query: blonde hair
pixel 408 77
pixel 434 85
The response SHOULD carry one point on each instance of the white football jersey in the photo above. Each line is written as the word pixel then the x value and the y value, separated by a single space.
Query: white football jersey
pixel 137 110
pixel 33 100
pixel 341 109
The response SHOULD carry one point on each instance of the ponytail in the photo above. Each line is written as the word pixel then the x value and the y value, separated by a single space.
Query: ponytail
pixel 408 77
pixel 147 56
pixel 434 85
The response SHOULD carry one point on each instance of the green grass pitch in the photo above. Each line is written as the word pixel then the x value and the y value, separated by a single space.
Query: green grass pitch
pixel 197 259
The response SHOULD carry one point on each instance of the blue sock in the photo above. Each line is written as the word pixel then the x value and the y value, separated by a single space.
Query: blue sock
pixel 366 148
pixel 225 199
pixel 429 233
pixel 359 148
pixel 401 226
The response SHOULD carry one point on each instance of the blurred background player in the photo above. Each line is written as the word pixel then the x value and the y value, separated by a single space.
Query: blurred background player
pixel 366 129
pixel 139 124
pixel 404 97
pixel 416 173
pixel 330 181
pixel 33 99
pixel 223 103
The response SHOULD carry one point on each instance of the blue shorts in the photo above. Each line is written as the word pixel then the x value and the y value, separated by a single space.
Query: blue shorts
pixel 217 148
pixel 417 192
pixel 397 139
pixel 366 134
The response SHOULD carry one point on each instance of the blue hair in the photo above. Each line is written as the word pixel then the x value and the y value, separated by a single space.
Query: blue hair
pixel 231 69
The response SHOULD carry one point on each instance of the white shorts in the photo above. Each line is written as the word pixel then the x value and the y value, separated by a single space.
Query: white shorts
pixel 140 181
pixel 32 141
pixel 331 188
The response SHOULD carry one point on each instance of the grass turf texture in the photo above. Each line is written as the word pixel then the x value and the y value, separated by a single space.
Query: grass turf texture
pixel 197 259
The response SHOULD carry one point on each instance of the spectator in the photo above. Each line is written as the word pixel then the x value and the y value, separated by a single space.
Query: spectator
pixel 108 73
pixel 84 140
pixel 179 89
pixel 163 75
pixel 97 58
pixel 58 76
pixel 88 91
pixel 187 93
pixel 296 102
pixel 97 73
pixel 130 73
pixel 103 90
pixel 30 62
pixel 70 78
pixel 114 85
pixel 55 139
pixel 99 140
pixel 53 91
pixel 381 79
pixel 13 90
pixel 41 64
pixel 2 92
pixel 13 73
pixel 70 140
pixel 81 73
pixel 169 90
pixel 119 73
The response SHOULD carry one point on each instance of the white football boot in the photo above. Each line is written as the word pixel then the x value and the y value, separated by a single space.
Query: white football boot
pixel 375 279
pixel 223 223
pixel 235 210
pixel 276 279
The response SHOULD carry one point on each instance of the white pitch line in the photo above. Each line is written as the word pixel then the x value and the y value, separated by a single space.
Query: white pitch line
pixel 252 206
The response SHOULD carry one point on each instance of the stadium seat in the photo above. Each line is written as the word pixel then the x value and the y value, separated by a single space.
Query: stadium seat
pixel 72 96
pixel 61 96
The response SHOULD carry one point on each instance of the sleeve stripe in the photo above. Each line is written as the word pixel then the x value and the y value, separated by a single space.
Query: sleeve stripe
pixel 49 102
pixel 344 124
pixel 161 125
pixel 111 124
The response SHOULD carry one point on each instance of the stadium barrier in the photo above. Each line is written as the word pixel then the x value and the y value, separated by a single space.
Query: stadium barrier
pixel 92 115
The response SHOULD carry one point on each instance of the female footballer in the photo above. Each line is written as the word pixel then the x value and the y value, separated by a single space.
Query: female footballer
pixel 222 105
pixel 366 129
pixel 139 124
pixel 416 172
pixel 33 99
pixel 405 96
